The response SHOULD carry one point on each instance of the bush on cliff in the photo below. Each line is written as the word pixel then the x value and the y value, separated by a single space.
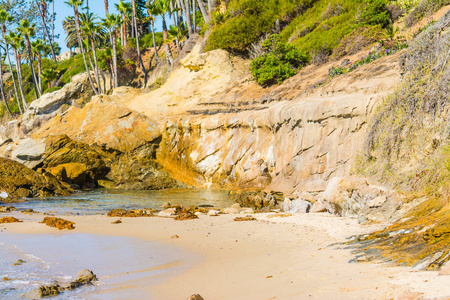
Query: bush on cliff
pixel 280 61
pixel 246 20
pixel 408 141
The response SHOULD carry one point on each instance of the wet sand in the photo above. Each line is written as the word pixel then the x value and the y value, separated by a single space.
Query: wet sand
pixel 271 258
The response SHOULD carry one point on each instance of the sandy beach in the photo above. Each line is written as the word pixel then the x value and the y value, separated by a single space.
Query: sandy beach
pixel 271 258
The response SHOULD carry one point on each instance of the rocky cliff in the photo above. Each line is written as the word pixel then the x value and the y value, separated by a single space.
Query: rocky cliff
pixel 220 128
pixel 217 127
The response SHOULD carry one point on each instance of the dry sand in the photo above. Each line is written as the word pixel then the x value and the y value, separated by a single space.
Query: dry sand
pixel 271 258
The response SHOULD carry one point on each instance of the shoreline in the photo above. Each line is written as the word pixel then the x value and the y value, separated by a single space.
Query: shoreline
pixel 271 258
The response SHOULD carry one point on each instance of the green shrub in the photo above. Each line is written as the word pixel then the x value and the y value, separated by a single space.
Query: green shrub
pixel 279 63
pixel 246 21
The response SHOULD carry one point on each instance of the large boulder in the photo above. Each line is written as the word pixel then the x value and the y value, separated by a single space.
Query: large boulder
pixel 17 181
pixel 29 152
pixel 83 165
pixel 76 162
pixel 355 197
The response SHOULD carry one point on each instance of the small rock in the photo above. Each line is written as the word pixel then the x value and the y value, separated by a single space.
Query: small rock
pixel 175 236
pixel 122 213
pixel 246 210
pixel 19 262
pixel 185 214
pixel 9 220
pixel 5 278
pixel 168 213
pixel 58 223
pixel 116 222
pixel 205 205
pixel 213 213
pixel 246 218
pixel 299 206
pixel 195 297
pixel 7 208
pixel 85 277
pixel 318 207
pixel 279 215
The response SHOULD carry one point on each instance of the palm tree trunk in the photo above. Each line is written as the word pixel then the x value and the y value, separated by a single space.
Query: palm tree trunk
pixel 33 74
pixel 172 14
pixel 158 61
pixel 144 71
pixel 12 74
pixel 19 76
pixel 166 45
pixel 180 16
pixel 77 24
pixel 114 47
pixel 40 72
pixel 203 10
pixel 53 19
pixel 122 30
pixel 2 89
pixel 106 8
pixel 187 15
pixel 194 16
pixel 97 76
pixel 44 25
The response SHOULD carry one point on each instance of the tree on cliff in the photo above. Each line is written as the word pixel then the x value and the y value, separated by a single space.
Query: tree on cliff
pixel 28 31
pixel 6 18
pixel 16 41
pixel 75 4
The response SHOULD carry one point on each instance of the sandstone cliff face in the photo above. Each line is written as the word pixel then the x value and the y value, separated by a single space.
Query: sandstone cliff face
pixel 217 127
pixel 286 138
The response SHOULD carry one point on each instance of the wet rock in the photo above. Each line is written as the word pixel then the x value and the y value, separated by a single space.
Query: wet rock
pixel 84 277
pixel 246 218
pixel 9 220
pixel 58 223
pixel 7 209
pixel 130 213
pixel 43 291
pixel 19 262
pixel 259 200
pixel 186 214
pixel 117 222
pixel 195 297
pixel 17 181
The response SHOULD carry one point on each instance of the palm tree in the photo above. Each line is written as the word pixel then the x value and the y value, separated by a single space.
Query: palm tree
pixel 91 29
pixel 153 10
pixel 112 22
pixel 187 15
pixel 43 12
pixel 6 18
pixel 2 89
pixel 28 31
pixel 144 71
pixel 125 10
pixel 164 7
pixel 106 7
pixel 16 41
pixel 203 11
pixel 75 4
pixel 37 48
pixel 50 75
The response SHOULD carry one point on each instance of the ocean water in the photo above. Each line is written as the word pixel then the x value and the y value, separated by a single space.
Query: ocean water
pixel 124 265
pixel 101 201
